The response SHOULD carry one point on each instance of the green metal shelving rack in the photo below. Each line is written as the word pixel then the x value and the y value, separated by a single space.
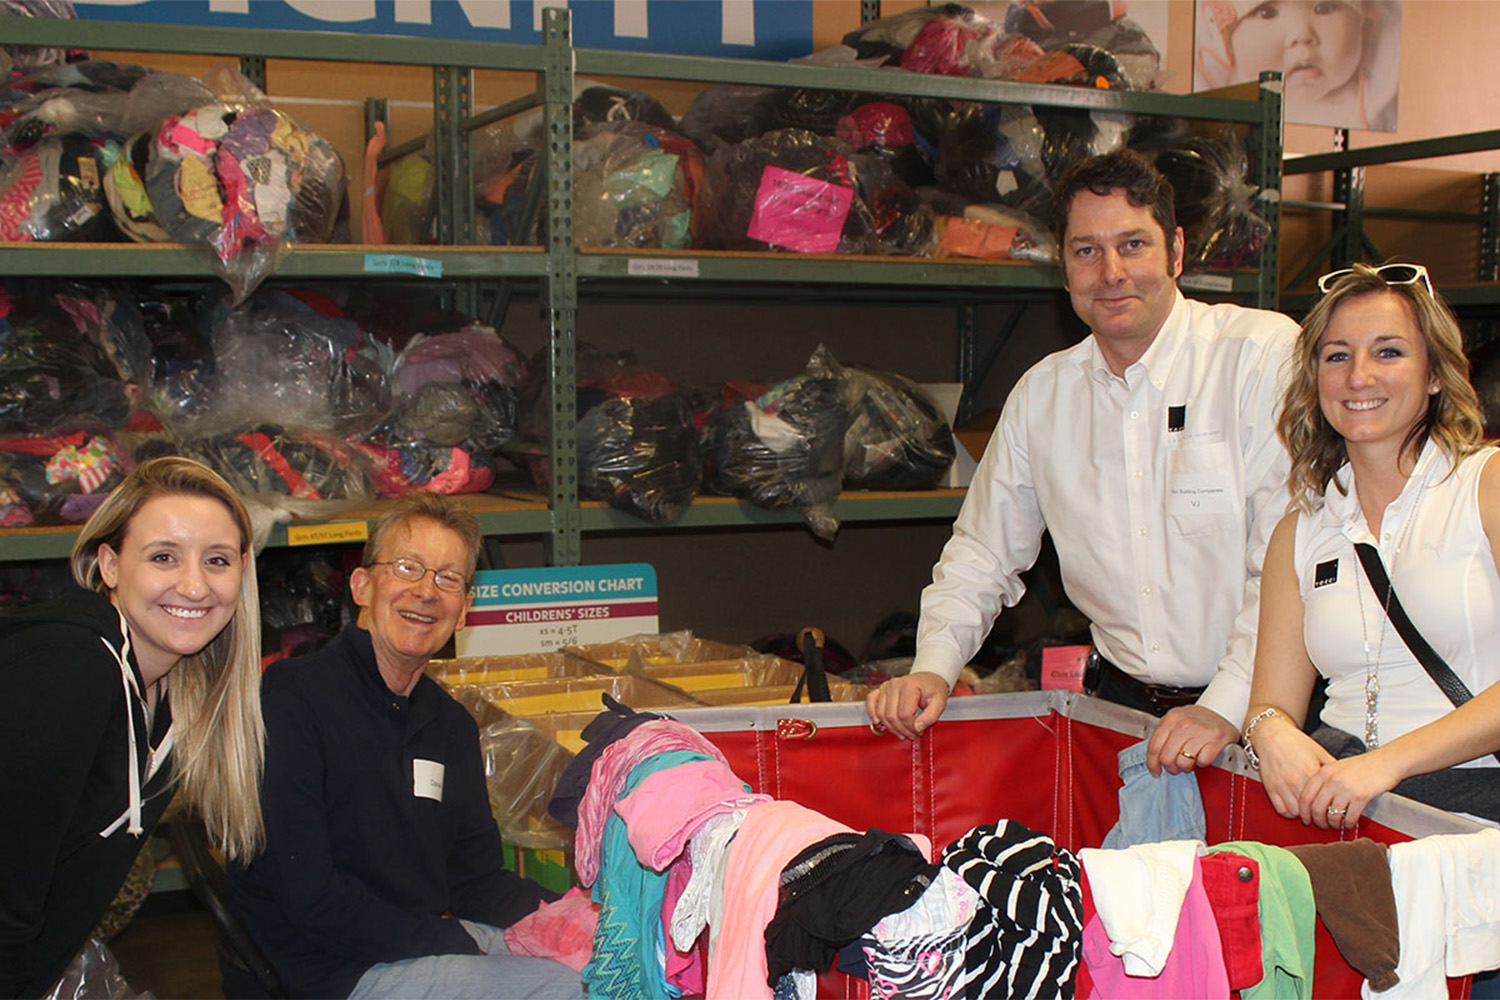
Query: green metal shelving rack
pixel 565 277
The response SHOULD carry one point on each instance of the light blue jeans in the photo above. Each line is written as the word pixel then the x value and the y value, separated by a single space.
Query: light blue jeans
pixel 497 973
pixel 1155 809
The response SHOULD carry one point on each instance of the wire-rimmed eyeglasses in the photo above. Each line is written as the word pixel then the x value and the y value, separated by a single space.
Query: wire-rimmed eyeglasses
pixel 411 571
pixel 1391 274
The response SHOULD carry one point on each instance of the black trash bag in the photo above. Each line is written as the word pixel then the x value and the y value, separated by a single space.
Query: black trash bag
pixel 53 191
pixel 52 370
pixel 640 454
pixel 601 104
pixel 897 438
pixel 728 115
pixel 785 449
pixel 1215 202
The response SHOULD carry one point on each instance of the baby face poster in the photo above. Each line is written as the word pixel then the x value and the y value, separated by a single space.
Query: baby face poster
pixel 1340 59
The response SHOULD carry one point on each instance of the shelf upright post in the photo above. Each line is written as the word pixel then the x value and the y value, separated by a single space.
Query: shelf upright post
pixel 1489 227
pixel 966 375
pixel 564 547
pixel 1348 190
pixel 253 68
pixel 1266 146
pixel 453 186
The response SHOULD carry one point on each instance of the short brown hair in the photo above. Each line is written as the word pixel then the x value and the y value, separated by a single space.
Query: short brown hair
pixel 1123 170
pixel 441 508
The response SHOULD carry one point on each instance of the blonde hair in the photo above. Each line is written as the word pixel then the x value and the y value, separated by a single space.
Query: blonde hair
pixel 438 507
pixel 1453 418
pixel 219 750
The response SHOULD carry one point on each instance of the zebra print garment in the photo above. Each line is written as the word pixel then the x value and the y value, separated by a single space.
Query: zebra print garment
pixel 1024 941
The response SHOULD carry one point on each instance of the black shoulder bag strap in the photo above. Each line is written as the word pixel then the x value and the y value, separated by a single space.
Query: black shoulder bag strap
pixel 1442 675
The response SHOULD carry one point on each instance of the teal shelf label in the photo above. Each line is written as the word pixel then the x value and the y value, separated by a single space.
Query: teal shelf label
pixel 393 263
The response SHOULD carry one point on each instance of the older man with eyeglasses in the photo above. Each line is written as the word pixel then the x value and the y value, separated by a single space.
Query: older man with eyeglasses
pixel 383 871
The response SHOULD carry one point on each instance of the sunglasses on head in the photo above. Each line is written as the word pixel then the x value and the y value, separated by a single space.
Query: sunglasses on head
pixel 1392 274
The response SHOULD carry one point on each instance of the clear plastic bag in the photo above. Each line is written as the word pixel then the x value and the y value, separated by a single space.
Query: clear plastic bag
pixel 58 478
pixel 244 179
pixel 522 765
pixel 52 370
pixel 897 438
pixel 94 975
pixel 457 403
pixel 635 185
pixel 269 459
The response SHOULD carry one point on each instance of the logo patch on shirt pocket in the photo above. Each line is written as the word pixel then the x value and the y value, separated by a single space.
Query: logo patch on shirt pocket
pixel 1325 573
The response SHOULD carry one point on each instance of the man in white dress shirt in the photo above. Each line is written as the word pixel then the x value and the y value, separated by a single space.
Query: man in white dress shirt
pixel 1149 452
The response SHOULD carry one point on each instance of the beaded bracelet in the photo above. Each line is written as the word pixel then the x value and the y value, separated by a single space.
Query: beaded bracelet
pixel 1255 720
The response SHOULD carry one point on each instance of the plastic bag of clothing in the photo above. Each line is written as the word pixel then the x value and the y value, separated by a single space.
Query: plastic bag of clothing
pixel 58 478
pixel 987 232
pixel 1214 201
pixel 635 185
pixel 1099 23
pixel 293 358
pixel 794 190
pixel 94 974
pixel 245 180
pixel 638 446
pixel 95 97
pixel 896 437
pixel 507 156
pixel 53 190
pixel 784 448
pixel 125 192
pixel 727 113
pixel 456 404
pixel 24 59
pixel 52 369
pixel 640 454
pixel 271 458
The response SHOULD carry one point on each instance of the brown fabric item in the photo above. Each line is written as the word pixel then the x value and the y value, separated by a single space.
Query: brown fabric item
pixel 1351 883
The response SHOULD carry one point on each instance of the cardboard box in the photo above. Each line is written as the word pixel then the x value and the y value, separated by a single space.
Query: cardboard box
pixel 504 669
pixel 655 650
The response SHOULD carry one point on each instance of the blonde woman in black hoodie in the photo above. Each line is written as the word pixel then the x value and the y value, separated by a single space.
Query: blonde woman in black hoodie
pixel 143 682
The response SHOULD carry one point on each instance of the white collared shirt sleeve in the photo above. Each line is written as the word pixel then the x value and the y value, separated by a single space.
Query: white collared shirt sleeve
pixel 1159 489
pixel 996 536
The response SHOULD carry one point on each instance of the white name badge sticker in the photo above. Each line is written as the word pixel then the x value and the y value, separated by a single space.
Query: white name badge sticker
pixel 1199 493
pixel 427 779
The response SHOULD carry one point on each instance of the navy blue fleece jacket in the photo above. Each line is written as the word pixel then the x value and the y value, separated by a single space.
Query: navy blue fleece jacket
pixel 360 869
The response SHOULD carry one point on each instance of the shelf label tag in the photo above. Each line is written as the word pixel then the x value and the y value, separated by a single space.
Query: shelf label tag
pixel 1207 282
pixel 660 267
pixel 394 263
pixel 327 534
pixel 539 610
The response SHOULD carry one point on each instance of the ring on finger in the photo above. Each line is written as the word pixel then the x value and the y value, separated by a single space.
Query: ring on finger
pixel 1336 811
pixel 1189 756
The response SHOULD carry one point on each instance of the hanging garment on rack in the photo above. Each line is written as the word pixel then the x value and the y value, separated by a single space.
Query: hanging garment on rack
pixel 1351 882
pixel 1138 894
pixel 836 890
pixel 1024 940
pixel 771 835
pixel 1194 967
pixel 1155 808
pixel 918 953
pixel 1447 909
pixel 628 959
pixel 1287 919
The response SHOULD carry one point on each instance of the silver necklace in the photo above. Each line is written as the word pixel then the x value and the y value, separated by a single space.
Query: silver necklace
pixel 1372 666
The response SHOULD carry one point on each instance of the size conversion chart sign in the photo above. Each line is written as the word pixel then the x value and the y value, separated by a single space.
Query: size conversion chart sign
pixel 539 610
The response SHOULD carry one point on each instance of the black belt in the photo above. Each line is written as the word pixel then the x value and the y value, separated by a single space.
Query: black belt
pixel 1161 698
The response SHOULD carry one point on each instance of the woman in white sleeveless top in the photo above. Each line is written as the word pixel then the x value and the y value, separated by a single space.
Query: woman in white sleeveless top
pixel 1384 432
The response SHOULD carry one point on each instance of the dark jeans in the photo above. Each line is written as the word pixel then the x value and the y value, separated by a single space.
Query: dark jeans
pixel 1473 790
